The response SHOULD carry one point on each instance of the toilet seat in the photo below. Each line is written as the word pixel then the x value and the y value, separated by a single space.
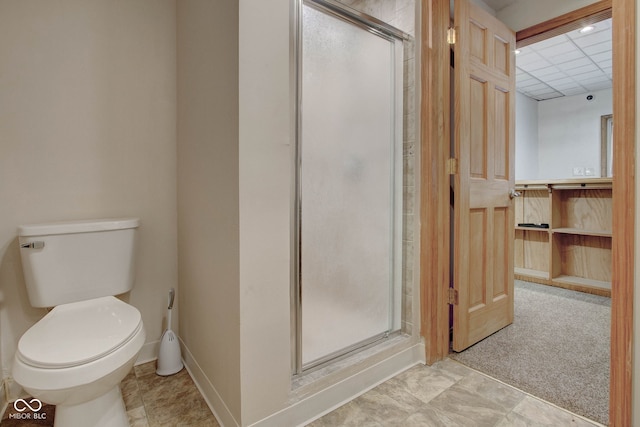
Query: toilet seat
pixel 79 333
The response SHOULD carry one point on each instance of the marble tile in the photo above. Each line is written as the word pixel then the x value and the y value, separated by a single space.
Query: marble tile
pixel 165 401
pixel 383 10
pixel 145 369
pixel 401 4
pixel 407 227
pixel 434 417
pixel 138 417
pixel 349 415
pixel 184 409
pixel 408 249
pixel 155 387
pixel 405 20
pixel 174 400
pixel 444 394
pixel 453 369
pixel 409 128
pixel 409 48
pixel 409 99
pixel 422 382
pixel 408 72
pixel 409 170
pixel 386 408
pixel 476 409
pixel 407 327
pixel 407 306
pixel 408 199
pixel 131 392
pixel 534 412
pixel 505 397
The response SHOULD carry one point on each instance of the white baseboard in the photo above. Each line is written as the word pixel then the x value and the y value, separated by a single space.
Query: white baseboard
pixel 148 353
pixel 208 391
pixel 336 395
pixel 316 405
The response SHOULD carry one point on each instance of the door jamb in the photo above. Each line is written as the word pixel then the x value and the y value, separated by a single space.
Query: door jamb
pixel 434 205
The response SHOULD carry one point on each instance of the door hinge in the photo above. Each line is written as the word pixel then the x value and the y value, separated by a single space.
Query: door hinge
pixel 453 297
pixel 452 166
pixel 451 36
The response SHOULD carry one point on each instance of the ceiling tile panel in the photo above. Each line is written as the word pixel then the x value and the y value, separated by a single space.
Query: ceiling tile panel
pixel 566 57
pixel 597 48
pixel 599 86
pixel 602 56
pixel 590 39
pixel 560 80
pixel 565 65
pixel 545 72
pixel 576 91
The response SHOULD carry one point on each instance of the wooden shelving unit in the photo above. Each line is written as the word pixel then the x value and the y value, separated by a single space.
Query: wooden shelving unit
pixel 575 251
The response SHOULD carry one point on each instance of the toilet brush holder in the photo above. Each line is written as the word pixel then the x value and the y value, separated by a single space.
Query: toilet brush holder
pixel 169 356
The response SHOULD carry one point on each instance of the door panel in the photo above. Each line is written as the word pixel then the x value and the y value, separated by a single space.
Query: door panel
pixel 484 147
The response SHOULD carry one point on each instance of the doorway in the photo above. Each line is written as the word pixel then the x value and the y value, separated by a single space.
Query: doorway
pixel 560 338
pixel 435 264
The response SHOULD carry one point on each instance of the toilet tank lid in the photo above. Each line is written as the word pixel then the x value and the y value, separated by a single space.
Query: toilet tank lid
pixel 85 226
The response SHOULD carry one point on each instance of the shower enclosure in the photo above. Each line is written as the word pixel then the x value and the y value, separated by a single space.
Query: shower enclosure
pixel 348 197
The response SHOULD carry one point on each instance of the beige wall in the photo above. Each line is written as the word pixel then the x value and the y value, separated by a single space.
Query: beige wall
pixel 88 119
pixel 265 189
pixel 208 198
pixel 524 14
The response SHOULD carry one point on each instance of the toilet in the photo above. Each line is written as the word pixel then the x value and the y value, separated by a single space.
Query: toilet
pixel 76 356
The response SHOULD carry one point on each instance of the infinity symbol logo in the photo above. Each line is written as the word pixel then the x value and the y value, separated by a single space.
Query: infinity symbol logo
pixel 21 408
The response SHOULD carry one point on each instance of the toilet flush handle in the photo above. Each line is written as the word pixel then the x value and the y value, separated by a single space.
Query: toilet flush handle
pixel 38 244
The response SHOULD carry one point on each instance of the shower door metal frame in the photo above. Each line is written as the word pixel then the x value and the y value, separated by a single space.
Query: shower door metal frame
pixel 393 35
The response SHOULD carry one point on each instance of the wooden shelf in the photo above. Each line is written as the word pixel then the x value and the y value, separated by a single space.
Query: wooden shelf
pixel 538 274
pixel 582 232
pixel 546 230
pixel 582 284
pixel 575 251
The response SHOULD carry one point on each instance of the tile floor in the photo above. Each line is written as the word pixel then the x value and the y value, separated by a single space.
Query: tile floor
pixel 153 401
pixel 150 400
pixel 445 394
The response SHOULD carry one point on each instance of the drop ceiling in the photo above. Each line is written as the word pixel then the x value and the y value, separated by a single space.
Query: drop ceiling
pixel 565 65
pixel 568 64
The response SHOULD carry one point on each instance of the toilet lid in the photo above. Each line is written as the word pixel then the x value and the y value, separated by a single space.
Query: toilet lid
pixel 79 332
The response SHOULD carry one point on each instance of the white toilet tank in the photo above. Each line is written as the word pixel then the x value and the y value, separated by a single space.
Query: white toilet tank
pixel 74 261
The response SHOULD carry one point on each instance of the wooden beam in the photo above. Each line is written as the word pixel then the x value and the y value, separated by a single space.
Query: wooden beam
pixel 573 20
pixel 434 180
pixel 624 232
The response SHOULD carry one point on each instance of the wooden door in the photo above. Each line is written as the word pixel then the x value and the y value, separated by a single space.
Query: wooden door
pixel 484 107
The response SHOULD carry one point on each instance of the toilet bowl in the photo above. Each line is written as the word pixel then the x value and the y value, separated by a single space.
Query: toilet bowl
pixel 76 356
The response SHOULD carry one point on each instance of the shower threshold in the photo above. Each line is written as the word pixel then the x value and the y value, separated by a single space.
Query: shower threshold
pixel 350 359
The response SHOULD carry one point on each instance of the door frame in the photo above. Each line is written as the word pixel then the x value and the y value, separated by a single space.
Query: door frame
pixel 435 198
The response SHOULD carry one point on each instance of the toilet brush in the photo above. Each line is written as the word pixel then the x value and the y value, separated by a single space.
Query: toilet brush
pixel 169 356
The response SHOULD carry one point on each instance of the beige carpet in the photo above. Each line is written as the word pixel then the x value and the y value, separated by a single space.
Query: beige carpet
pixel 556 349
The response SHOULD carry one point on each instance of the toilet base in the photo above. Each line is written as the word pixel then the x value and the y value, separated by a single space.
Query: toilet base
pixel 105 411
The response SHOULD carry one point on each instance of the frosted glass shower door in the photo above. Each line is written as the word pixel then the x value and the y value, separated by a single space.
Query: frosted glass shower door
pixel 347 175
